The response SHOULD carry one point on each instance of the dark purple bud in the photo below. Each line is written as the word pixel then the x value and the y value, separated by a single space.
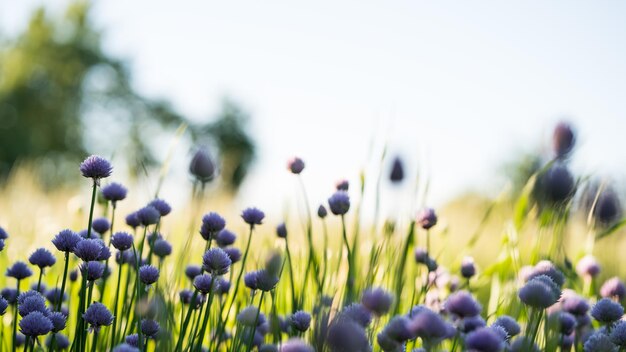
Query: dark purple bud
pixel 563 139
pixel 202 166
pixel 426 218
pixel 397 170
pixel 161 206
pixel 339 203
pixel 101 225
pixel 295 165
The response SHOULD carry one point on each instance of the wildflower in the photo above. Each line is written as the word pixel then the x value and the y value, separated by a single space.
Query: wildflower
pixel 203 283
pixel 54 296
pixel 484 340
pixel 421 255
pixel 524 344
pixel 35 324
pixel 469 324
pixel 32 303
pixel 98 315
pixel 161 248
pixel 212 223
pixel 564 321
pixel 101 225
pixel 321 212
pixel 88 249
pixel 617 335
pixel 606 311
pixel 546 267
pixel 42 258
pixel 149 328
pixel 114 192
pixel 186 297
pixel 301 320
pixel 295 345
pixel 60 341
pixel 500 331
pixel 248 316
pixel 132 339
pixel 1 245
pixel 223 286
pixel 225 238
pixel 148 215
pixel 66 240
pixel 399 329
pixel 132 220
pixel 3 234
pixel 122 241
pixel 575 305
pixel 191 271
pixel 10 294
pixel 73 275
pixel 357 313
pixel 563 139
pixel 462 304
pixel 339 203
pixel 95 167
pixel 161 206
pixel 58 320
pixel 539 292
pixel 202 166
pixel 265 280
pixel 268 348
pixel 216 261
pixel 3 305
pixel 295 165
pixel 253 216
pixel 92 270
pixel 148 274
pixel 613 288
pixel 19 271
pixel 599 342
pixel 430 326
pixel 556 185
pixel 377 300
pixel 250 280
pixel 509 324
pixel 468 269
pixel 588 266
pixel 105 252
pixel 346 335
pixel 281 230
pixel 397 170
pixel 427 218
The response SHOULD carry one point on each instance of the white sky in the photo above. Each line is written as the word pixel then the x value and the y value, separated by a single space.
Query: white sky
pixel 455 85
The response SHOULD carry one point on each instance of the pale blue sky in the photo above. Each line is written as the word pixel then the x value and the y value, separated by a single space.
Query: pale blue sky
pixel 454 85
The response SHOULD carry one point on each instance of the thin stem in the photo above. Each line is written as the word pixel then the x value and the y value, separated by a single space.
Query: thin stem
pixel 207 313
pixel 350 279
pixel 39 281
pixel 15 318
pixel 192 302
pixel 65 268
pixel 256 321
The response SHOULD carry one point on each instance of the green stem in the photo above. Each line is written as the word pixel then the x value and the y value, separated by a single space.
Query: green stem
pixel 256 321
pixel 293 284
pixel 350 279
pixel 192 302
pixel 115 307
pixel 39 281
pixel 207 314
pixel 15 318
pixel 65 268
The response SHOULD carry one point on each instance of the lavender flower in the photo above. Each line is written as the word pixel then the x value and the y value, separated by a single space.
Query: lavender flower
pixel 161 248
pixel 295 165
pixel 58 320
pixel 546 267
pixel 539 292
pixel 32 303
pixel 399 329
pixel 321 212
pixel 212 223
pixel 469 324
pixel 301 320
pixel 427 218
pixel 462 304
pixel 252 216
pixel 148 274
pixel 225 238
pixel 588 266
pixel 266 281
pixel 202 166
pixel 114 192
pixel 203 283
pixel 613 288
pixel 606 311
pixel 281 230
pixel 509 324
pixel 35 324
pixel 191 271
pixel 1 245
pixel 95 167
pixel 88 249
pixel 250 280
pixel 125 347
pixel 148 215
pixel 19 271
pixel 98 315
pixel 3 234
pixel 54 296
pixel 132 220
pixel 599 342
pixel 430 326
pixel 339 203
pixel 150 328
pixel 101 225
pixel 248 316
pixel 216 261
pixel 346 335
pixel 556 185
pixel 92 270
pixel 397 170
pixel 357 313
pixel 42 258
pixel 377 300
pixel 10 294
pixel 617 335
pixel 132 339
pixel 564 321
pixel 161 206
pixel 484 340
pixel 122 241
pixel 66 240
pixel 524 344
pixel 233 253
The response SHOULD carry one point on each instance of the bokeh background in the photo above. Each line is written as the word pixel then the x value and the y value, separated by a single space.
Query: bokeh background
pixel 466 94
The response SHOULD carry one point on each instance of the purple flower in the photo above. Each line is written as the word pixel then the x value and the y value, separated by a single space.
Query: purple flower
pixel 148 274
pixel 161 248
pixel 469 324
pixel 42 258
pixel 588 266
pixel 225 238
pixel 89 249
pixel 484 340
pixel 3 305
pixel 92 270
pixel 346 335
pixel 613 288
pixel 249 279
pixel 58 320
pixel 191 271
pixel 358 313
pixel 132 339
pixel 216 261
pixel 618 334
pixel 148 215
pixel 61 341
pixel 427 218
pixel 19 270
pixel 53 295
pixel 545 267
pixel 539 292
pixel 564 321
pixel 397 170
pixel 421 255
pixel 233 253
pixel 301 320
pixel 563 139
pixel 3 234
pixel 606 311
pixel 101 225
pixel 321 212
pixel 252 216
pixel 430 326
pixel 468 269
pixel 599 342
pixel 295 165
pixel 223 286
pixel 73 275
pixel 149 328
pixel 66 240
pixel 132 220
pixel 462 304
pixel 1 245
pixel 399 329
pixel 202 166
pixel 114 192
pixel 509 324
pixel 187 295
pixel 35 324
pixel 212 223
pixel 556 185
pixel 95 167
pixel 265 280
pixel 203 283
pixel 339 203
pixel 125 347
pixel 248 316
pixel 281 230
pixel 98 315
pixel 10 294
pixel 122 240
pixel 31 303
pixel 377 300
pixel 161 206
pixel 296 345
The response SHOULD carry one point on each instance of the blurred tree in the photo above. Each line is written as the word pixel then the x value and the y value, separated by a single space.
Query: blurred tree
pixel 61 95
